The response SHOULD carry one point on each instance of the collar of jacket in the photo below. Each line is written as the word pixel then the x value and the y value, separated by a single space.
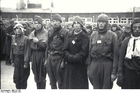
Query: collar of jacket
pixel 38 32
pixel 58 29
pixel 82 34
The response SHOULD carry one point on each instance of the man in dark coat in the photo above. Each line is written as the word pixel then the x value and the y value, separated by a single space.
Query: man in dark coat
pixel 103 55
pixel 2 39
pixel 26 28
pixel 75 51
pixel 129 60
pixel 57 36
pixel 125 34
pixel 116 29
pixel 36 52
pixel 7 45
pixel 89 30
pixel 17 56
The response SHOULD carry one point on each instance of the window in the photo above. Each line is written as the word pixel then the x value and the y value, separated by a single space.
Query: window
pixel 19 19
pixel 130 20
pixel 123 20
pixel 24 19
pixel 89 20
pixel 116 20
pixel 110 20
pixel 30 19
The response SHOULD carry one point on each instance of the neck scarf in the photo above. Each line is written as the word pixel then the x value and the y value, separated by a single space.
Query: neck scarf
pixel 133 48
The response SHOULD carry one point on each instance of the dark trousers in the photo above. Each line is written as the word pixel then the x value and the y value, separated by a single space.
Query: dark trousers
pixel 100 73
pixel 20 77
pixel 53 69
pixel 41 85
pixel 132 79
pixel 21 74
pixel 8 61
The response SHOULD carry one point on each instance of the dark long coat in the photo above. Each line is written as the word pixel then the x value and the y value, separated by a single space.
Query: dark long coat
pixel 7 45
pixel 2 39
pixel 75 53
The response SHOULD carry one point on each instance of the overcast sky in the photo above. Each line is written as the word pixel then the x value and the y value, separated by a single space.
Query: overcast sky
pixel 84 5
pixel 96 5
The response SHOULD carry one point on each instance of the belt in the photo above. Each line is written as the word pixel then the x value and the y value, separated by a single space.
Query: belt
pixel 136 57
pixel 54 52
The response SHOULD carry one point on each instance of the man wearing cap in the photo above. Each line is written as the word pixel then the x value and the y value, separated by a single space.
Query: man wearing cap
pixel 75 52
pixel 103 55
pixel 36 52
pixel 57 37
pixel 89 30
pixel 27 28
pixel 17 56
pixel 125 34
pixel 129 60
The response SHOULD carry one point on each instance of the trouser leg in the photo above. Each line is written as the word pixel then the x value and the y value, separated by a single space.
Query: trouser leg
pixel 51 73
pixel 107 83
pixel 94 75
pixel 100 73
pixel 130 81
pixel 41 85
pixel 16 77
pixel 26 73
pixel 60 79
pixel 8 62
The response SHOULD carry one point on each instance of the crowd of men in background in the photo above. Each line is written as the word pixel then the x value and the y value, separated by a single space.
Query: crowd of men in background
pixel 72 53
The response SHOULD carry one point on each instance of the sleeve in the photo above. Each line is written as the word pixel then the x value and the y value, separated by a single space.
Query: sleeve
pixel 11 53
pixel 66 35
pixel 79 57
pixel 27 52
pixel 82 55
pixel 65 52
pixel 43 44
pixel 115 54
pixel 47 44
pixel 122 55
pixel 89 56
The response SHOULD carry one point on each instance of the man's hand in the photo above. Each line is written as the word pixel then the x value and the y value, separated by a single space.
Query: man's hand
pixel 35 40
pixel 62 65
pixel 13 64
pixel 25 66
pixel 45 63
pixel 113 77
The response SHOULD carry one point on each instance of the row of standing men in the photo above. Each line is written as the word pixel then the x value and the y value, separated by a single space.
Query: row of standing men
pixel 70 58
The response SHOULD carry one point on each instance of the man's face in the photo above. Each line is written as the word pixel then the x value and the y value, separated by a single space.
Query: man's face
pixel 37 25
pixel 77 27
pixel 114 28
pixel 127 29
pixel 88 31
pixel 101 24
pixel 136 29
pixel 18 30
pixel 56 23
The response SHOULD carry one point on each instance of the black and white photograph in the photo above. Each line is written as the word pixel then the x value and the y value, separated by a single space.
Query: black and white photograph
pixel 69 45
